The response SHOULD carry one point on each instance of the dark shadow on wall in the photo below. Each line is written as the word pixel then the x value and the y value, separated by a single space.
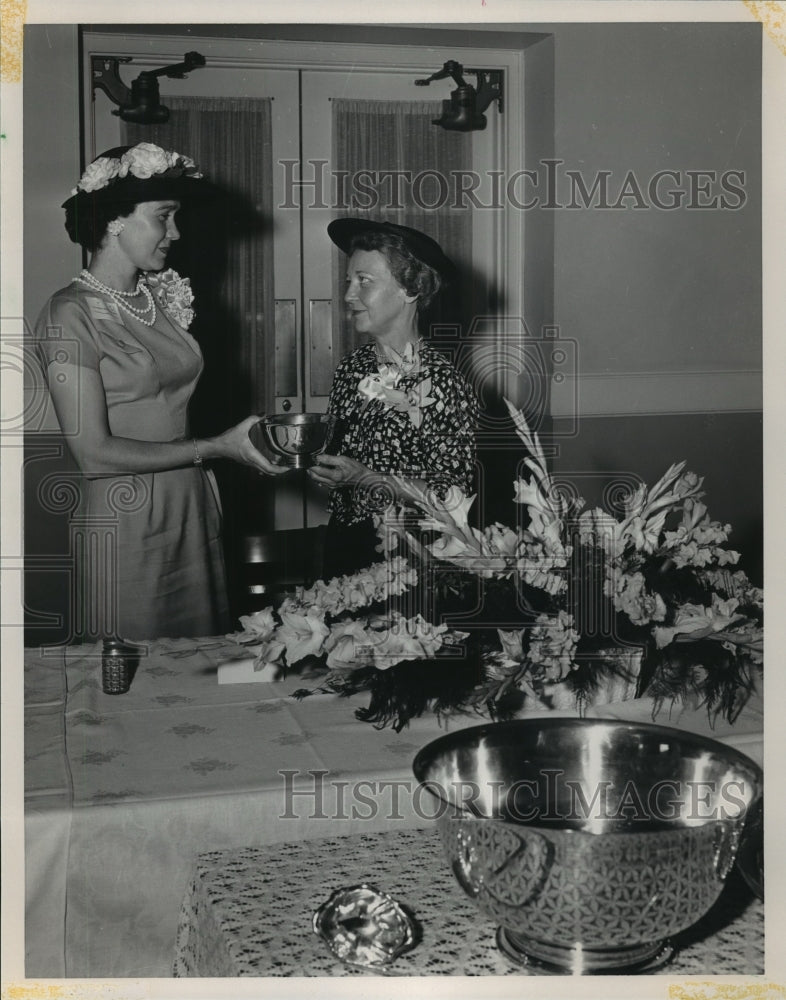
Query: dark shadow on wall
pixel 726 449
pixel 228 391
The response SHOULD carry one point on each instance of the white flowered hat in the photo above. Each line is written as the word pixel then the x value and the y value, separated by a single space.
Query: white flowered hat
pixel 144 172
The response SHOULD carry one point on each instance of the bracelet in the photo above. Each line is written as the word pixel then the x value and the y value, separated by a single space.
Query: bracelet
pixel 197 456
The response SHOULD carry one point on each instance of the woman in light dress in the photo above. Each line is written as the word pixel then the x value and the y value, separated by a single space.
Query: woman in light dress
pixel 121 369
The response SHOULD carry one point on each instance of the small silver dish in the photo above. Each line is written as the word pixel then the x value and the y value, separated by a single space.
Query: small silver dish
pixel 295 438
pixel 364 927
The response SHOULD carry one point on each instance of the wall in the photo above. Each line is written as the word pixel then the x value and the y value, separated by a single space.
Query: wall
pixel 651 290
pixel 51 159
pixel 50 260
pixel 725 449
pixel 664 306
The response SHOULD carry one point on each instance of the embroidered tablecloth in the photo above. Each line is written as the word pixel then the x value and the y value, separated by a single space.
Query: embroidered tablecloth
pixel 124 791
pixel 248 913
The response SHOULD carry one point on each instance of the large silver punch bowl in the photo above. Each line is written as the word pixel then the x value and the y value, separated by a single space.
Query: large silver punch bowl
pixel 294 438
pixel 590 843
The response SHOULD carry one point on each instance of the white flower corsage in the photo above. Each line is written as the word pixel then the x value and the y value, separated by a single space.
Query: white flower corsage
pixel 384 385
pixel 174 294
pixel 409 401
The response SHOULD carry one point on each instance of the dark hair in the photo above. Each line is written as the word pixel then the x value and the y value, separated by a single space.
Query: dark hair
pixel 415 277
pixel 86 220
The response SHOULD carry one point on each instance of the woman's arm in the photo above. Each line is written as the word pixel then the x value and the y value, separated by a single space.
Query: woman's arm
pixel 79 401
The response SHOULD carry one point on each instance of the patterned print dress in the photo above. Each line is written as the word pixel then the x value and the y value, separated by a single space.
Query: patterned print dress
pixel 429 437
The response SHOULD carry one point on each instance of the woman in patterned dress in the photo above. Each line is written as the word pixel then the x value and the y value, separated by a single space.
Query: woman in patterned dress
pixel 403 409
pixel 121 368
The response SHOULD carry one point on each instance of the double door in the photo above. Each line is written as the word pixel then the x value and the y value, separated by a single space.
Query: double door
pixel 331 130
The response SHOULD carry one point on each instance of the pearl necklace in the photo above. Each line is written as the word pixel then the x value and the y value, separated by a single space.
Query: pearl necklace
pixel 86 278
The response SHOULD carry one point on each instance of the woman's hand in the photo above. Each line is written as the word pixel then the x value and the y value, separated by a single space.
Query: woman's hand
pixel 236 444
pixel 340 470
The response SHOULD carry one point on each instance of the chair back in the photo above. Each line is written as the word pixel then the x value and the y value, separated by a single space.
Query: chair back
pixel 277 562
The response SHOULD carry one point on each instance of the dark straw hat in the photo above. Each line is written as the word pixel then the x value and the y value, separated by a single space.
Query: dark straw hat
pixel 342 232
pixel 114 176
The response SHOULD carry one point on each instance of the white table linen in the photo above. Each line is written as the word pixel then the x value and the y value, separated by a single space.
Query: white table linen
pixel 124 791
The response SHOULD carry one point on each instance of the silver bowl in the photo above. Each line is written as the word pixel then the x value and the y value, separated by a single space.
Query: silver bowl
pixel 590 843
pixel 295 438
pixel 750 857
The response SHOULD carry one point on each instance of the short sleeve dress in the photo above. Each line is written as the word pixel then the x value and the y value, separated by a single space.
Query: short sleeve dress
pixel 152 562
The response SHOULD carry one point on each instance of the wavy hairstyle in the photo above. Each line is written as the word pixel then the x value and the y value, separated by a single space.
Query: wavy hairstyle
pixel 415 277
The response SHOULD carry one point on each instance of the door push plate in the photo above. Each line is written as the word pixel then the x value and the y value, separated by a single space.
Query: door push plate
pixel 286 348
pixel 321 364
